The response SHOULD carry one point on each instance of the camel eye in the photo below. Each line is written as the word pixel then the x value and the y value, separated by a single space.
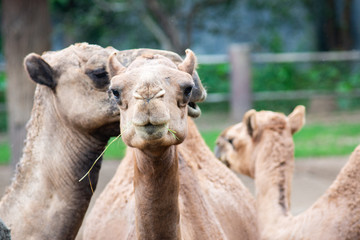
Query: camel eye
pixel 99 77
pixel 101 74
pixel 116 94
pixel 230 141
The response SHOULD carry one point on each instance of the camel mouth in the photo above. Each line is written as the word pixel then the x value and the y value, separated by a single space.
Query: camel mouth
pixel 151 132
pixel 218 154
pixel 227 163
pixel 193 110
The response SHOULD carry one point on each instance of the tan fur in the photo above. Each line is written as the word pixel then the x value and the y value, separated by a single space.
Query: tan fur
pixel 71 122
pixel 262 146
pixel 163 190
pixel 45 199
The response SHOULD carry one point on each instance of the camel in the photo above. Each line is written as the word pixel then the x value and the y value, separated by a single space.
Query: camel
pixel 261 146
pixel 169 185
pixel 45 199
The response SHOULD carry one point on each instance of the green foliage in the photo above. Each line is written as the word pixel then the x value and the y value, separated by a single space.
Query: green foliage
pixel 326 140
pixel 210 137
pixel 295 76
pixel 279 105
pixel 115 150
pixel 325 76
pixel 218 107
pixel 107 23
pixel 4 153
pixel 333 77
pixel 286 76
pixel 215 77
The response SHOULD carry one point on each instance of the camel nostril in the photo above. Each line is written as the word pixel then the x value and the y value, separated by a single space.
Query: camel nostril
pixel 137 95
pixel 148 97
pixel 187 92
pixel 160 94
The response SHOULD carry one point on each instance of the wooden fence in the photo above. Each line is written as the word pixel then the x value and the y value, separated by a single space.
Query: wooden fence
pixel 241 60
pixel 2 105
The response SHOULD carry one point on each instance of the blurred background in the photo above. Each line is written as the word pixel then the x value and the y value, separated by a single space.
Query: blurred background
pixel 257 54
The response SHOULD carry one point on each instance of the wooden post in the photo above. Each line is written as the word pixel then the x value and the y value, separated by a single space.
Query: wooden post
pixel 241 94
pixel 26 28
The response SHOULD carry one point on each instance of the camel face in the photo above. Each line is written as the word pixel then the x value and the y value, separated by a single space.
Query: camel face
pixel 152 94
pixel 238 146
pixel 77 82
pixel 198 93
pixel 233 147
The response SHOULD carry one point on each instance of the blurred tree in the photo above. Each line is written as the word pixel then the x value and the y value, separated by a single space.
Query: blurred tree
pixel 25 29
pixel 174 21
pixel 103 22
pixel 334 21
pixel 168 23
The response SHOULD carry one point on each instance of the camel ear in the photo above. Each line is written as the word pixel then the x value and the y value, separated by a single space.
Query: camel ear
pixel 39 70
pixel 297 119
pixel 199 93
pixel 189 63
pixel 250 121
pixel 114 66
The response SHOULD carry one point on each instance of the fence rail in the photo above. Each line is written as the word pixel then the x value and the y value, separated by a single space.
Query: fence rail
pixel 2 67
pixel 285 95
pixel 241 60
pixel 286 57
pixel 306 57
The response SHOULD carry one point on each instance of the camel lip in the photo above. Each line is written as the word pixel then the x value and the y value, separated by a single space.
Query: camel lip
pixel 193 110
pixel 192 105
pixel 218 155
pixel 217 152
pixel 227 163
pixel 150 131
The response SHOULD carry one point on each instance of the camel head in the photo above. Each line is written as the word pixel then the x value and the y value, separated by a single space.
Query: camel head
pixel 238 146
pixel 75 82
pixel 198 93
pixel 153 95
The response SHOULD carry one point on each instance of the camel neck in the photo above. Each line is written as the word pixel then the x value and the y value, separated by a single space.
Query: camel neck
pixel 156 184
pixel 46 185
pixel 273 176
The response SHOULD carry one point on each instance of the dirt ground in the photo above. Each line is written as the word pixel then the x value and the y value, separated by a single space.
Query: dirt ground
pixel 312 177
